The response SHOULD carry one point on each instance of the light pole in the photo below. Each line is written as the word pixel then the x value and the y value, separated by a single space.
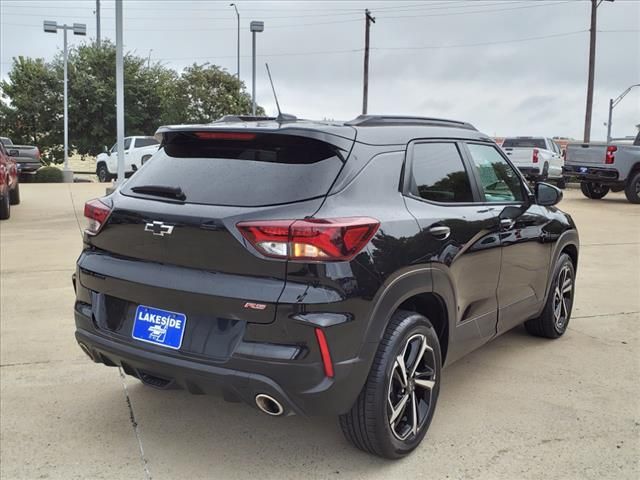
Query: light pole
pixel 119 92
pixel 612 103
pixel 238 16
pixel 592 65
pixel 78 29
pixel 255 26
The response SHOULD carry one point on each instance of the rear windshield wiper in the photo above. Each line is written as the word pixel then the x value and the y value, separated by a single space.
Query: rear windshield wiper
pixel 160 191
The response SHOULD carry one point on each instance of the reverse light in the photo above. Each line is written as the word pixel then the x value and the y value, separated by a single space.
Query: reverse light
pixel 329 239
pixel 610 156
pixel 535 155
pixel 96 212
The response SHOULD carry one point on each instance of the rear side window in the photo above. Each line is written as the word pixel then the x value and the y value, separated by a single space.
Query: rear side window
pixel 438 174
pixel 145 142
pixel 241 169
pixel 524 143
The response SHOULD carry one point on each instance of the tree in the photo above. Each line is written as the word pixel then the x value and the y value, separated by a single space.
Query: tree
pixel 31 110
pixel 31 107
pixel 92 96
pixel 207 92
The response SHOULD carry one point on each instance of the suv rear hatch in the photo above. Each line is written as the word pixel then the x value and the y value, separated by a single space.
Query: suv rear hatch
pixel 171 241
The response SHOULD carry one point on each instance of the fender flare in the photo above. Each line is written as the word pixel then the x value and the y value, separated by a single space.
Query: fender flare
pixel 569 237
pixel 405 284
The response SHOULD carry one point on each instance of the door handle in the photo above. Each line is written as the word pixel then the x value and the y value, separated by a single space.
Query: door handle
pixel 507 223
pixel 440 232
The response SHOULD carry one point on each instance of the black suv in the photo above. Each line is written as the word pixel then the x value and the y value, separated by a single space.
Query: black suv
pixel 321 268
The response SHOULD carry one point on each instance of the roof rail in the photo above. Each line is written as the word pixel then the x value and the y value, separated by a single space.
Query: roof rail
pixel 396 120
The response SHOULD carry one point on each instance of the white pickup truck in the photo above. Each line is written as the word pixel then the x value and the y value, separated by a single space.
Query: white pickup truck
pixel 137 150
pixel 538 158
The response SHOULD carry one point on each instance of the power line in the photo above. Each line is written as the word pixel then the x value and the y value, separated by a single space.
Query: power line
pixel 482 11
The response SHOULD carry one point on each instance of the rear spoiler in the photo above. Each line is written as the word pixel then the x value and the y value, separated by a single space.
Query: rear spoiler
pixel 336 136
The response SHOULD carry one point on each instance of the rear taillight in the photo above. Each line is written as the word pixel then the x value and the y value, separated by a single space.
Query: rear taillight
pixel 37 153
pixel 329 239
pixel 96 212
pixel 535 155
pixel 610 156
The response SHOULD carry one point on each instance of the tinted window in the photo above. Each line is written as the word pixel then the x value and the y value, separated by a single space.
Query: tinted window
pixel 498 179
pixel 524 143
pixel 145 142
pixel 7 141
pixel 438 173
pixel 265 169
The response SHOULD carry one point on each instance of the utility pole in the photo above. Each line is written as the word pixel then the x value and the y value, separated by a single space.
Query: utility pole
pixel 592 65
pixel 98 23
pixel 368 19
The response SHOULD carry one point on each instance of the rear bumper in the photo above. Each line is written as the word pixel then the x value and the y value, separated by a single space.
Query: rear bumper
pixel 28 168
pixel 302 388
pixel 592 174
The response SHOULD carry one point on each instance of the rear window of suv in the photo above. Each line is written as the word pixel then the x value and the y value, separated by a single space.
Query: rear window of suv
pixel 524 143
pixel 241 168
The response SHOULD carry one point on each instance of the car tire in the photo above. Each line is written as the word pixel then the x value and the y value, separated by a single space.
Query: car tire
pixel 369 425
pixel 632 188
pixel 553 321
pixel 562 183
pixel 544 176
pixel 594 191
pixel 5 207
pixel 14 195
pixel 103 173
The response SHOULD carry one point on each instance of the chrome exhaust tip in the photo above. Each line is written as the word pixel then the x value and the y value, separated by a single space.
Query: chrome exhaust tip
pixel 269 405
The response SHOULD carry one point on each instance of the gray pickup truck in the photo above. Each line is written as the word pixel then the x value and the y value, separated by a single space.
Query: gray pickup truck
pixel 27 157
pixel 602 167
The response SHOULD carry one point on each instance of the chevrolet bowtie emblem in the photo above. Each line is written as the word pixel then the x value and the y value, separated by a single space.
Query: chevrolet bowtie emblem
pixel 158 228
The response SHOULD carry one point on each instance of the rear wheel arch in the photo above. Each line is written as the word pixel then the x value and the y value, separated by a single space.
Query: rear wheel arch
pixel 416 291
pixel 433 307
pixel 571 250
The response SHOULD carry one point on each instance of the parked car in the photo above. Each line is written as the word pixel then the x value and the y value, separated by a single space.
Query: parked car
pixel 137 151
pixel 538 158
pixel 9 182
pixel 321 268
pixel 602 167
pixel 27 157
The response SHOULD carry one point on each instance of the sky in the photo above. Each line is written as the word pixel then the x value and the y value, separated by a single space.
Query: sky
pixel 508 67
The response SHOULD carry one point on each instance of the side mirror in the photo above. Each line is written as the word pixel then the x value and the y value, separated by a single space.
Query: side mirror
pixel 105 149
pixel 14 153
pixel 547 195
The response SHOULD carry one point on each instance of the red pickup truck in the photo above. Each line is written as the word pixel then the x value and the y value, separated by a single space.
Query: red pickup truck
pixel 9 186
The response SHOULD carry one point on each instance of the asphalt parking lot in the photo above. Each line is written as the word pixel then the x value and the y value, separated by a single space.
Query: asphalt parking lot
pixel 520 407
